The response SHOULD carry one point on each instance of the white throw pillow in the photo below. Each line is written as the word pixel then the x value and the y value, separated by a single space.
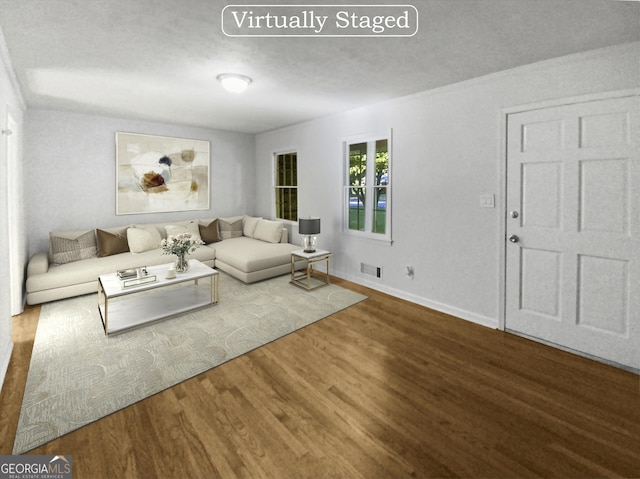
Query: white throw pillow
pixel 143 238
pixel 192 228
pixel 249 226
pixel 270 231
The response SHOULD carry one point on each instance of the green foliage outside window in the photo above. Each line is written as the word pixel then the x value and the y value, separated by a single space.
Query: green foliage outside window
pixel 287 186
pixel 358 188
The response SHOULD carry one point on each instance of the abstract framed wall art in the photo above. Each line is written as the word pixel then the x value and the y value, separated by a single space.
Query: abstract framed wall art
pixel 159 174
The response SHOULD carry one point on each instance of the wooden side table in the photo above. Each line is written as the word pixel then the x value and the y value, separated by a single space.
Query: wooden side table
pixel 302 277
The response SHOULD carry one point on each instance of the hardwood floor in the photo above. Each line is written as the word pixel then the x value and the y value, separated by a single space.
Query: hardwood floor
pixel 384 389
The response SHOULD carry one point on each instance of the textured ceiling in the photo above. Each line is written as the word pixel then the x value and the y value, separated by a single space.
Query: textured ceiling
pixel 158 59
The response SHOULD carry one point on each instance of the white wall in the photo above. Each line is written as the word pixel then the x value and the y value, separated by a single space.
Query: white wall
pixel 447 150
pixel 10 102
pixel 70 183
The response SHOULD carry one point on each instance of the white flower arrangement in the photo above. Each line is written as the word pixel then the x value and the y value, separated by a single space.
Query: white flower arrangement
pixel 180 244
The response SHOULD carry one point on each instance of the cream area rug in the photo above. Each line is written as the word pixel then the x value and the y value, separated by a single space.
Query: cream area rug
pixel 78 375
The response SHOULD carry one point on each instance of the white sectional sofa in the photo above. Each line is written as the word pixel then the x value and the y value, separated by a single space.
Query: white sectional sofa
pixel 248 248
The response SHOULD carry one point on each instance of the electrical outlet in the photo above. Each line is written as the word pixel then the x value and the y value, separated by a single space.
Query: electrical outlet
pixel 487 200
pixel 410 272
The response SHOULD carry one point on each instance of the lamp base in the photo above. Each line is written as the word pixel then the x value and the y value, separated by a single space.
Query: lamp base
pixel 309 244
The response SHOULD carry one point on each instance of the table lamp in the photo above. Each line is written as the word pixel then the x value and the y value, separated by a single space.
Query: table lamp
pixel 309 227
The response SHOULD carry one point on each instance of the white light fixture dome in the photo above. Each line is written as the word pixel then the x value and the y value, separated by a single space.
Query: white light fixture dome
pixel 234 82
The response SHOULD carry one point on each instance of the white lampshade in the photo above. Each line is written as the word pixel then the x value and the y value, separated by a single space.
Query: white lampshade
pixel 234 82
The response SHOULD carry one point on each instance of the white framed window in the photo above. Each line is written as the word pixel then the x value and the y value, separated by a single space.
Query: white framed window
pixel 367 189
pixel 286 185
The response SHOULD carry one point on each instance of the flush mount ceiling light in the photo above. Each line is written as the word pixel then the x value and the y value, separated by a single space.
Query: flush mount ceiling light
pixel 234 82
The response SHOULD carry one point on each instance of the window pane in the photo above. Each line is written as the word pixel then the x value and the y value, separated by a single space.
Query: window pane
pixel 287 203
pixel 292 206
pixel 286 182
pixel 283 170
pixel 357 197
pixel 294 169
pixel 379 210
pixel 279 171
pixel 286 170
pixel 357 164
pixel 279 202
pixel 382 163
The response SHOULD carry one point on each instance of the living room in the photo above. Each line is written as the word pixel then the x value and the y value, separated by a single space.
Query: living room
pixel 448 154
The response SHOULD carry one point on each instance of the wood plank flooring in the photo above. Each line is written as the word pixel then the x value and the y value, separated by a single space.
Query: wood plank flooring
pixel 384 389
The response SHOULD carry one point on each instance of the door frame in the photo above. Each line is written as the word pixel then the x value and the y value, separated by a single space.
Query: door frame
pixel 502 202
pixel 17 248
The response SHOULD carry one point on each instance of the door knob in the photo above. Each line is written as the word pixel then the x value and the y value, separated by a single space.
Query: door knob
pixel 514 238
pixel 514 214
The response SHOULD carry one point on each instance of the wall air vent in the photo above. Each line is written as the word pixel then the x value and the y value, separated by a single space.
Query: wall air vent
pixel 371 270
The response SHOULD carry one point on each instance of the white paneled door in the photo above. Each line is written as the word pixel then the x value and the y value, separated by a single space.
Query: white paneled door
pixel 573 227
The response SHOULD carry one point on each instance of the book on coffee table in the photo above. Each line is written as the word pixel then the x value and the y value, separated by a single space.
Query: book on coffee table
pixel 128 273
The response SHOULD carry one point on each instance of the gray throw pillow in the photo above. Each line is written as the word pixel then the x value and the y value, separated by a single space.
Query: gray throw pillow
pixel 230 230
pixel 66 250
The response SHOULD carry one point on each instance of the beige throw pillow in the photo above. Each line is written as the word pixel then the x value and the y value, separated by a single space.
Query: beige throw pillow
pixel 143 238
pixel 192 228
pixel 249 226
pixel 269 231
pixel 66 250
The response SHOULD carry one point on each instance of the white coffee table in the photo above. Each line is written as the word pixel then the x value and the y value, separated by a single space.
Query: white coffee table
pixel 124 308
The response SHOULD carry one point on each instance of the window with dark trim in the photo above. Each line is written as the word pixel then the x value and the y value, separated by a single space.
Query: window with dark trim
pixel 286 186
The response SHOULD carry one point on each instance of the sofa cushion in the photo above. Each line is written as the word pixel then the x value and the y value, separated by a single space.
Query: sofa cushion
pixel 249 226
pixel 269 231
pixel 191 228
pixel 143 238
pixel 209 232
pixel 69 247
pixel 230 228
pixel 110 243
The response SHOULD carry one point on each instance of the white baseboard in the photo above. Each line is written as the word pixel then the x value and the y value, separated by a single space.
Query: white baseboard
pixel 4 363
pixel 435 305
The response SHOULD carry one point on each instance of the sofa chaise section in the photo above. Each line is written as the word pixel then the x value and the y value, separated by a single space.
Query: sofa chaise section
pixel 251 260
